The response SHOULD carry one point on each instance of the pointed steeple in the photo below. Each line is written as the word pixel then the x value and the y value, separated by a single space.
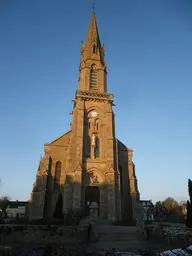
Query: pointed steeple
pixel 92 69
pixel 92 48
pixel 93 34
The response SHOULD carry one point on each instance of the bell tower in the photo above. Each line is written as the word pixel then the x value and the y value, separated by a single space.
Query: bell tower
pixel 93 143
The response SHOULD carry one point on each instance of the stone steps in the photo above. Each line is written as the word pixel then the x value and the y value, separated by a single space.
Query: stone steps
pixel 84 222
pixel 117 237
pixel 117 233
pixel 103 222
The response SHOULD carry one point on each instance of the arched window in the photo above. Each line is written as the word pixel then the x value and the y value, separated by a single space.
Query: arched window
pixel 57 175
pixel 93 78
pixel 97 147
pixel 97 124
pixel 88 146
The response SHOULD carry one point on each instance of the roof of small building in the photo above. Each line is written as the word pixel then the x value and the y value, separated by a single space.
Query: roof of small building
pixel 146 203
pixel 16 204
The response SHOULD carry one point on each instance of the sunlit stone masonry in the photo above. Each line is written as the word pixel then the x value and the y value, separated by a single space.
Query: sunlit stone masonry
pixel 88 164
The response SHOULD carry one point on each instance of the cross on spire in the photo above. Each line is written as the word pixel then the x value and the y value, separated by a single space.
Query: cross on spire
pixel 93 5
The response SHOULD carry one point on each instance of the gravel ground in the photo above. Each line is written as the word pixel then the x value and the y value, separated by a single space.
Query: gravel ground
pixel 58 243
pixel 85 248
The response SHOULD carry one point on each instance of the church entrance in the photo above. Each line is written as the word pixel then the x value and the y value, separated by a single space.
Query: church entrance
pixel 92 196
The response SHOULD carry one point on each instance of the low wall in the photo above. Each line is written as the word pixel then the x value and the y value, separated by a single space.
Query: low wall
pixel 14 234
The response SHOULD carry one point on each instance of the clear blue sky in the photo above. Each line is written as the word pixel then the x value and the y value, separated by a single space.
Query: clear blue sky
pixel 149 57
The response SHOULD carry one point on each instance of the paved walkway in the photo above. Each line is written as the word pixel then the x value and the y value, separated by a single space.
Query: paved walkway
pixel 124 238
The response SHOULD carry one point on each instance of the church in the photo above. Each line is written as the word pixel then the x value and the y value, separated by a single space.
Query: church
pixel 88 163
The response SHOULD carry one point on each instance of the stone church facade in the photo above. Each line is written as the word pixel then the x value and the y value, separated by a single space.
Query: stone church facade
pixel 88 163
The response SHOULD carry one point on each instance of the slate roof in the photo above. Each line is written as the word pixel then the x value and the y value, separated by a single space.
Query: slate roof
pixel 146 203
pixel 16 204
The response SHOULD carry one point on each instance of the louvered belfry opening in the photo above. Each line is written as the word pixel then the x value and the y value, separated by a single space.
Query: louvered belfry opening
pixel 97 142
pixel 93 78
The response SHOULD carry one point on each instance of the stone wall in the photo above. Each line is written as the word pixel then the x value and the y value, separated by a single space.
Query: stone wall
pixel 40 234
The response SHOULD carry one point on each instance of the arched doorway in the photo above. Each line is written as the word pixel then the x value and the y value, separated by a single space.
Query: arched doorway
pixel 92 194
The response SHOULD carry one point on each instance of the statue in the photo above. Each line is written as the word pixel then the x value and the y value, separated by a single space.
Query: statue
pixel 93 140
pixel 93 178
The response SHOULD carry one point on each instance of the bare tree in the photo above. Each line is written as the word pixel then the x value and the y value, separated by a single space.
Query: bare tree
pixel 4 202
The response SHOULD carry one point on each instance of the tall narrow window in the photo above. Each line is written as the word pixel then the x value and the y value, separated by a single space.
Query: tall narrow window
pixel 97 124
pixel 57 175
pixel 94 48
pixel 88 146
pixel 97 147
pixel 93 78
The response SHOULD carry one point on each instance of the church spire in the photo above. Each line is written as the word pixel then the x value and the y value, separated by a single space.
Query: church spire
pixel 92 48
pixel 93 72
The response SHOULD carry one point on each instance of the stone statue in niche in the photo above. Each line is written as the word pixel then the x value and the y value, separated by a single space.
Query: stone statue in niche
pixel 95 125
pixel 93 140
pixel 93 179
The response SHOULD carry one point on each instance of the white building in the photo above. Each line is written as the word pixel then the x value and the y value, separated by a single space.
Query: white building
pixel 148 208
pixel 16 209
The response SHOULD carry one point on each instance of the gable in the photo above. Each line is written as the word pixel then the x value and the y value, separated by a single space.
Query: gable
pixel 63 140
pixel 121 146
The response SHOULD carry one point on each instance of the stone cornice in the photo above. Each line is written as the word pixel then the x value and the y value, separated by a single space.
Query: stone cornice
pixel 94 95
